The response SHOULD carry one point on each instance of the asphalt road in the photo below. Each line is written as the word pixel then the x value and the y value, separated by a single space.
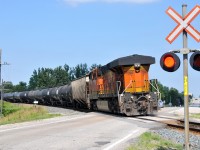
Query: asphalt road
pixel 90 131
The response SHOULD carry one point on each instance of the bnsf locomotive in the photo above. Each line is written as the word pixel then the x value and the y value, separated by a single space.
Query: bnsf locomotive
pixel 122 86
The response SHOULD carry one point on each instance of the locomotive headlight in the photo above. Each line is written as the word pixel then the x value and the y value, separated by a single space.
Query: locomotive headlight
pixel 137 66
pixel 131 97
pixel 148 96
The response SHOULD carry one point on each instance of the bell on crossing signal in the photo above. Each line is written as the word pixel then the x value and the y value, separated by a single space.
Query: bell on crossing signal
pixel 169 62
pixel 195 61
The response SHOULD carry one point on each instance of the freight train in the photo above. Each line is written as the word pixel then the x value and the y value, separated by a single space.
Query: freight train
pixel 122 86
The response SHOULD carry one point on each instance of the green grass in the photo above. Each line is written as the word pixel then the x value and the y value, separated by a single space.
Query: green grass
pixel 9 108
pixel 197 116
pixel 151 141
pixel 15 113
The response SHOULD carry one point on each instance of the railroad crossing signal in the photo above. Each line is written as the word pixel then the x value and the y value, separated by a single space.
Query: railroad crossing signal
pixel 195 61
pixel 170 62
pixel 183 24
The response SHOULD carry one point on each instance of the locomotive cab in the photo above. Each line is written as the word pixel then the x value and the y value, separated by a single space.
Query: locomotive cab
pixel 136 79
pixel 136 97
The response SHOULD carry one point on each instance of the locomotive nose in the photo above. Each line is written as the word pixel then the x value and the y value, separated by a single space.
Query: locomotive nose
pixel 142 105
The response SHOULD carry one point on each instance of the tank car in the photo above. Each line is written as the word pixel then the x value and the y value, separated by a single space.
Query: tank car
pixel 38 97
pixel 65 95
pixel 8 97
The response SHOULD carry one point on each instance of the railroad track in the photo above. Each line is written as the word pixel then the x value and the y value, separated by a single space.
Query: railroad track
pixel 194 126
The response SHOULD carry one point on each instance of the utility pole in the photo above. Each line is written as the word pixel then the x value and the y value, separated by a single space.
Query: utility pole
pixel 170 101
pixel 1 113
pixel 2 91
pixel 1 84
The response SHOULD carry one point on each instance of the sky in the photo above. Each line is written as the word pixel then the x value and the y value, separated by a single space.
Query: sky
pixel 51 33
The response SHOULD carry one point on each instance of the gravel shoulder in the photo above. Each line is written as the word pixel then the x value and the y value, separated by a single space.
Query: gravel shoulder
pixel 64 111
pixel 178 137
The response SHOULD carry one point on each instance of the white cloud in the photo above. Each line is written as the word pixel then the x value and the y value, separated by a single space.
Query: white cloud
pixel 77 2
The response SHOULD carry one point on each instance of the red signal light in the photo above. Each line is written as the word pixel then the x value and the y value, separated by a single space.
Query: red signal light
pixel 195 61
pixel 170 62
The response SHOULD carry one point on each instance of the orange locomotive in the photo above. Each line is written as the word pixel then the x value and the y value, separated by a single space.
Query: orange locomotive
pixel 123 86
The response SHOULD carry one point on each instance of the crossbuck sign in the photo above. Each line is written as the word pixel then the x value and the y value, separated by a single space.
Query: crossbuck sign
pixel 183 24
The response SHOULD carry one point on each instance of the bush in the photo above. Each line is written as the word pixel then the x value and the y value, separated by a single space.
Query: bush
pixel 9 108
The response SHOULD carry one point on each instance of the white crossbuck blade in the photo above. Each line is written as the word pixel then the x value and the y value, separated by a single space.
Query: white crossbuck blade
pixel 183 24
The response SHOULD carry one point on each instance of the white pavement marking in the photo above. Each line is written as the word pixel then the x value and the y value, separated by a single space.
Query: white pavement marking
pixel 140 120
pixel 121 140
pixel 42 124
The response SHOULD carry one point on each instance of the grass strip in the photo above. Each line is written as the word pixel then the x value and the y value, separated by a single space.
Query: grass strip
pixel 197 116
pixel 151 141
pixel 14 113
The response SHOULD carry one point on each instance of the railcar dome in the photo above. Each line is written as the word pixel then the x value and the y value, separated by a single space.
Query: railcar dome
pixel 130 60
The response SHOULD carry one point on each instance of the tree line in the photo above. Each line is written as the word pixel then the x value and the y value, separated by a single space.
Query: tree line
pixel 48 77
pixel 62 75
pixel 171 95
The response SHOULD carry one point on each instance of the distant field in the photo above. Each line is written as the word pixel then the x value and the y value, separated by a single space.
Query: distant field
pixel 15 113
